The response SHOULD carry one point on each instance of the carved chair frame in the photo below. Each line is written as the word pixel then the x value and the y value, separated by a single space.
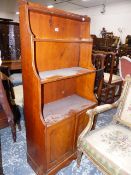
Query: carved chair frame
pixel 120 66
pixel 99 109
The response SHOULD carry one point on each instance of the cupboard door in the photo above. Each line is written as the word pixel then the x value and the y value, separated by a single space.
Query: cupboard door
pixel 60 141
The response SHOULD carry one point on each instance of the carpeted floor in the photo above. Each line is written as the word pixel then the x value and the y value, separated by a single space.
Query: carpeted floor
pixel 1 168
pixel 14 154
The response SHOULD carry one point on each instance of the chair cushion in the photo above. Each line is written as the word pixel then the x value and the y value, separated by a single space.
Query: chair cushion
pixel 110 147
pixel 16 79
pixel 18 90
pixel 115 78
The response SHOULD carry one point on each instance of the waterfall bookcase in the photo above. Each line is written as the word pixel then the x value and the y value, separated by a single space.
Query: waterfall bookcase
pixel 58 81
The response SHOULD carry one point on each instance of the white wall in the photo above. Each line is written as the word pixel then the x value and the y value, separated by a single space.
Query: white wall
pixel 117 16
pixel 8 9
pixel 9 16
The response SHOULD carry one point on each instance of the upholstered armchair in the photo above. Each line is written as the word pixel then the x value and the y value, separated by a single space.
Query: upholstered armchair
pixel 124 67
pixel 109 147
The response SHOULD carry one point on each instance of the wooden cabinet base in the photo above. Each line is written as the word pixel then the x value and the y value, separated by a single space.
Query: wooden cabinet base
pixel 52 171
pixel 59 144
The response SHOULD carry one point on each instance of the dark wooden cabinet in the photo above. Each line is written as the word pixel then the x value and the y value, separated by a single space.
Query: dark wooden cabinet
pixel 9 40
pixel 58 81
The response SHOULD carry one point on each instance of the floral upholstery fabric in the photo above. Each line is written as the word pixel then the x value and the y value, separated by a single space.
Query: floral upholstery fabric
pixel 126 112
pixel 115 78
pixel 110 147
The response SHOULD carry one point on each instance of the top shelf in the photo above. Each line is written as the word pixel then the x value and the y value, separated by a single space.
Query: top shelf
pixel 56 12
pixel 63 40
pixel 58 74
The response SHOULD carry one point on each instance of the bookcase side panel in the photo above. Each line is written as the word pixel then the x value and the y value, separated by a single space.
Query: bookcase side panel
pixel 34 122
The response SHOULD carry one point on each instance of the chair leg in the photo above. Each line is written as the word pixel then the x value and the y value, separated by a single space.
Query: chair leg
pixel 94 122
pixel 19 126
pixel 13 130
pixel 120 89
pixel 79 156
pixel 17 115
pixel 112 94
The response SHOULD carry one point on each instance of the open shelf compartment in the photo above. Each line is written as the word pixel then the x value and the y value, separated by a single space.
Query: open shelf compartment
pixel 63 108
pixel 53 75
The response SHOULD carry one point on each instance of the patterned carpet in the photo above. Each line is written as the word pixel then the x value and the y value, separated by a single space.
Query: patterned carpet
pixel 1 169
pixel 14 154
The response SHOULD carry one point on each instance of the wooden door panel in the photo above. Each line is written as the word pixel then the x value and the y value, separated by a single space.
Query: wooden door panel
pixel 60 140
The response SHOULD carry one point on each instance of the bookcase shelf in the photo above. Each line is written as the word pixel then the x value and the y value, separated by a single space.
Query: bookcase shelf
pixel 58 74
pixel 63 40
pixel 60 109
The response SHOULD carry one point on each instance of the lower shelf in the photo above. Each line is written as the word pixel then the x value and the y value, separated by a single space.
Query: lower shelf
pixel 60 109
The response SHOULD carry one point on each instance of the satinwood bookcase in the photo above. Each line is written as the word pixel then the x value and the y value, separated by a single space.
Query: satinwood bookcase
pixel 58 81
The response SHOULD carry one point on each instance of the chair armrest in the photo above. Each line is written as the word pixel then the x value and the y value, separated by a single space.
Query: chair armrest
pixel 102 108
pixel 91 113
